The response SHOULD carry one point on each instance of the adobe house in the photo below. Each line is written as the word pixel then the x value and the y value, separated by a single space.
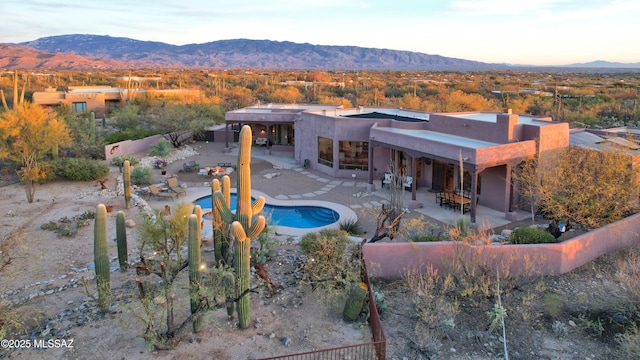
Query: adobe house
pixel 99 99
pixel 431 148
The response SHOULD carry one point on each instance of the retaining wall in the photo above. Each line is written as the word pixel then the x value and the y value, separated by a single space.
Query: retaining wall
pixel 395 260
pixel 129 147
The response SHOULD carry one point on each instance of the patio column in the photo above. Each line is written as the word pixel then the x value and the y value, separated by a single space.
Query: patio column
pixel 226 135
pixel 507 189
pixel 268 138
pixel 370 185
pixel 414 164
pixel 474 194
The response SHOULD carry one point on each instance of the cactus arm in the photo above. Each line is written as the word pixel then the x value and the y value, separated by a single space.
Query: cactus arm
pixel 257 205
pixel 121 239
pixel 101 257
pixel 219 204
pixel 215 186
pixel 197 211
pixel 226 189
pixel 257 227
pixel 195 273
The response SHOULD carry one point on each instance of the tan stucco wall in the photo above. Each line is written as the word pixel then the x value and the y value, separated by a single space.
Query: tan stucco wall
pixel 395 260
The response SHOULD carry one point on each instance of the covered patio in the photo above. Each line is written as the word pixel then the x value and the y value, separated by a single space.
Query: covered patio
pixel 451 159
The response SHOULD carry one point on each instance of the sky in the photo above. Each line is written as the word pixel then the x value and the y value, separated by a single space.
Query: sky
pixel 526 32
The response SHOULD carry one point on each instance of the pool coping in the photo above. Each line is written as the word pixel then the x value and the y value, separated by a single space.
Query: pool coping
pixel 345 213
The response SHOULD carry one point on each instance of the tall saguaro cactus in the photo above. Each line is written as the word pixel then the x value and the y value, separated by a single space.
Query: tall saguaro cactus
pixel 242 227
pixel 126 180
pixel 92 127
pixel 101 257
pixel 220 228
pixel 195 271
pixel 121 239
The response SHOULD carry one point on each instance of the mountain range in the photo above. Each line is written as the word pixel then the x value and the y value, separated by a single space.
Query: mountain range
pixel 105 52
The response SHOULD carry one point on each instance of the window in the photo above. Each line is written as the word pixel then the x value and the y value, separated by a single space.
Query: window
pixel 325 151
pixel 354 155
pixel 79 107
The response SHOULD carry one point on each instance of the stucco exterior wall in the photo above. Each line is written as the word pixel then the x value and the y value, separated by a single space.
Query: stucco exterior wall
pixel 480 130
pixel 395 260
pixel 128 147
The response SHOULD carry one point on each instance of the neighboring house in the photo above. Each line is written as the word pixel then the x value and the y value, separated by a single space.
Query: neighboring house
pixel 99 99
pixel 623 138
pixel 428 147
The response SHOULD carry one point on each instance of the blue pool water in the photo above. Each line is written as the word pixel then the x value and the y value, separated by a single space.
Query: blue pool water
pixel 291 216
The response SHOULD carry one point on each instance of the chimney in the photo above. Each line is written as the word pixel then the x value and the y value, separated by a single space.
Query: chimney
pixel 507 111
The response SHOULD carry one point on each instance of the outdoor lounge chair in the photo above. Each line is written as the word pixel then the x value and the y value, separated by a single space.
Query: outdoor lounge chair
pixel 173 185
pixel 407 183
pixel 154 191
pixel 388 179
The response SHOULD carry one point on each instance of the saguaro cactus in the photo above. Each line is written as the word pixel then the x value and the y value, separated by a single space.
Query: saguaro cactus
pixel 355 302
pixel 220 228
pixel 126 180
pixel 242 228
pixel 121 239
pixel 195 271
pixel 101 257
pixel 92 127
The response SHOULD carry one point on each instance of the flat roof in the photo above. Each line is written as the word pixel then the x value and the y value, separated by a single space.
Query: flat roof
pixel 493 116
pixel 269 108
pixel 389 112
pixel 440 137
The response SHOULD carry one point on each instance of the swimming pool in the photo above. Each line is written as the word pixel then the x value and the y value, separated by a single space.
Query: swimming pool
pixel 302 216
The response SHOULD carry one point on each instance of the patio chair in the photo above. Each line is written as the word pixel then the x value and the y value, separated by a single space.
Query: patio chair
pixel 173 185
pixel 447 200
pixel 407 183
pixel 387 180
pixel 154 191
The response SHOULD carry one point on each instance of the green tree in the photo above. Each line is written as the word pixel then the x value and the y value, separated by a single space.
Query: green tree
pixel 27 134
pixel 180 122
pixel 588 187
pixel 127 117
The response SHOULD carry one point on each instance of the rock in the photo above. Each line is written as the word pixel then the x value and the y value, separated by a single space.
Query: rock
pixel 506 233
pixel 285 340
pixel 130 223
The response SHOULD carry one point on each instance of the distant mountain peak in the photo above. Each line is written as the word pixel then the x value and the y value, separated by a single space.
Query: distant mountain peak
pixel 121 52
pixel 247 53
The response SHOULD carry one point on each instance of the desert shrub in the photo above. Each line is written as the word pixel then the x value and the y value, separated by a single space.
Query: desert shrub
pixel 141 175
pixel 552 304
pixel 424 237
pixel 434 308
pixel 419 230
pixel 161 148
pixel 531 236
pixel 331 266
pixel 77 169
pixel 128 134
pixel 629 343
pixel 350 226
pixel 119 160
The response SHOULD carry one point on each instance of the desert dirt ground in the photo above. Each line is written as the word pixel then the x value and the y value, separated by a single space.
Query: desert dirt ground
pixel 49 281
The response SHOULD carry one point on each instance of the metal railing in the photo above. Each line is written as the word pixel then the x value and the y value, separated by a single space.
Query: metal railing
pixel 375 350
